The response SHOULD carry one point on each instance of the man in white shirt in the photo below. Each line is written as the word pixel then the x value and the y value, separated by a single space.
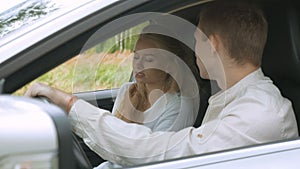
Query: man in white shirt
pixel 248 110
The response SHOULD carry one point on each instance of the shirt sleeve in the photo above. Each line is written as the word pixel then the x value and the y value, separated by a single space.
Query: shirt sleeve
pixel 115 140
pixel 120 95
pixel 130 144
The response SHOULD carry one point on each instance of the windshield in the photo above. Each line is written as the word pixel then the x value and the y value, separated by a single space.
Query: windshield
pixel 15 14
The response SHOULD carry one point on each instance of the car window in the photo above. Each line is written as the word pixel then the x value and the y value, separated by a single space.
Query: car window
pixel 106 65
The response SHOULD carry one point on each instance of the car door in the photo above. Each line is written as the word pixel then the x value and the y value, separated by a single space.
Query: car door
pixel 74 45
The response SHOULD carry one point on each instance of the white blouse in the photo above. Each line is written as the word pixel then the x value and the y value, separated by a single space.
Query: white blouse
pixel 252 111
pixel 165 114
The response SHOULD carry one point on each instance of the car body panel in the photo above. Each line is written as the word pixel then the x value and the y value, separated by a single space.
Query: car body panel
pixel 282 155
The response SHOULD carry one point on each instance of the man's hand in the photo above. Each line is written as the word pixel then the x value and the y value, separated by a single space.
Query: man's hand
pixel 56 96
pixel 38 89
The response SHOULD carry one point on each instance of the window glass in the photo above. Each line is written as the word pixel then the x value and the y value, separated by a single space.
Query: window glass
pixel 106 65
pixel 16 14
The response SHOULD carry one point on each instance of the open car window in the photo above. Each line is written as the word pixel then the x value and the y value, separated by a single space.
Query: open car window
pixel 106 65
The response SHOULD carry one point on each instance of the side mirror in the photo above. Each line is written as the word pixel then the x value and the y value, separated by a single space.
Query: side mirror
pixel 34 134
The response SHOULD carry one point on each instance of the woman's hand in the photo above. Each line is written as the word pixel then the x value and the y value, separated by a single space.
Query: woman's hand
pixel 56 96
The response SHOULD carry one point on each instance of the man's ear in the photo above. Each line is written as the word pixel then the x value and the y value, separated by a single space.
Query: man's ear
pixel 214 41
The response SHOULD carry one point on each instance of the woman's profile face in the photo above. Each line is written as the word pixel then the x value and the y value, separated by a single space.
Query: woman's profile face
pixel 148 62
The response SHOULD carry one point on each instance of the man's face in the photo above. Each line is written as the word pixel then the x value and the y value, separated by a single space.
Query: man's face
pixel 207 58
pixel 201 52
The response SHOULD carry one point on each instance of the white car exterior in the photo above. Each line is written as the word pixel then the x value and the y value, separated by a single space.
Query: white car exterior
pixel 29 136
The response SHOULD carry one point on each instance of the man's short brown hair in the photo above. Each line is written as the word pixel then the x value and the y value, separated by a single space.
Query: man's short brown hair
pixel 242 28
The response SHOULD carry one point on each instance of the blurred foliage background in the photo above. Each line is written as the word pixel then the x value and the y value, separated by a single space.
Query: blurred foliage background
pixel 107 65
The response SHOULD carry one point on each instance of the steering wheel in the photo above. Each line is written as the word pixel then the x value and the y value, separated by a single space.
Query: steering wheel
pixel 82 162
pixel 43 99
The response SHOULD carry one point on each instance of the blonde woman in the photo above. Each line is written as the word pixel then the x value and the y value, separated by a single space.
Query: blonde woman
pixel 155 99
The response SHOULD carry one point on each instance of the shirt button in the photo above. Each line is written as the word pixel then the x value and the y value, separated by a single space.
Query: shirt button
pixel 200 135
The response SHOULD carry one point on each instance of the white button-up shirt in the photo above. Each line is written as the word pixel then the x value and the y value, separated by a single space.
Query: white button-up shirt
pixel 250 112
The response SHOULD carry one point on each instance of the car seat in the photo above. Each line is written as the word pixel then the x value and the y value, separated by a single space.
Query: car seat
pixel 281 59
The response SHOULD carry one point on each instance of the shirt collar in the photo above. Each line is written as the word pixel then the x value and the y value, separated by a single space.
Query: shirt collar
pixel 225 96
